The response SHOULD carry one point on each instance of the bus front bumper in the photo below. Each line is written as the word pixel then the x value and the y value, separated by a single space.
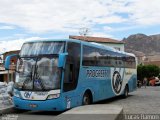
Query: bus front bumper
pixel 45 105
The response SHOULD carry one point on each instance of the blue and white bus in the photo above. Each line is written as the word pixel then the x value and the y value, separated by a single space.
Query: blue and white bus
pixel 55 75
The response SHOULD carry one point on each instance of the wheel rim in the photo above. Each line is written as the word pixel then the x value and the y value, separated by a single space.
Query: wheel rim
pixel 86 100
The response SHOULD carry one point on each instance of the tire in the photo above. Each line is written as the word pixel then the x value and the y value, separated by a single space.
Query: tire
pixel 126 91
pixel 86 99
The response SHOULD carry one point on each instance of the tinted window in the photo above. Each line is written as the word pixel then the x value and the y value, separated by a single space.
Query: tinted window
pixel 89 56
pixel 72 66
pixel 98 57
pixel 41 48
pixel 130 62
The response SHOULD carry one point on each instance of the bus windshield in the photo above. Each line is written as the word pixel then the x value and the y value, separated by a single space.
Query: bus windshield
pixel 37 69
pixel 41 48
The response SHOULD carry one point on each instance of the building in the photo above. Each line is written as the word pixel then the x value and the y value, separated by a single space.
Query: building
pixel 140 57
pixel 7 75
pixel 119 45
pixel 157 63
pixel 10 53
pixel 152 60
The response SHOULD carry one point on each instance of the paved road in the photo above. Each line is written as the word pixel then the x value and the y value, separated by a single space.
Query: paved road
pixel 38 115
pixel 29 115
pixel 144 100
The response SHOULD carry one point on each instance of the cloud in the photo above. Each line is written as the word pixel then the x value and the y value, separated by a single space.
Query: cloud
pixel 15 44
pixel 118 29
pixel 6 27
pixel 101 34
pixel 39 16
pixel 144 12
pixel 110 19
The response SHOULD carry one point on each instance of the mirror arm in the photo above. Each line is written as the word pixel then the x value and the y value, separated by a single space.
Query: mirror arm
pixel 62 60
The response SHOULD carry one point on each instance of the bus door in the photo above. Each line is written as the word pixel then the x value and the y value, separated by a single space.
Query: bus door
pixel 71 74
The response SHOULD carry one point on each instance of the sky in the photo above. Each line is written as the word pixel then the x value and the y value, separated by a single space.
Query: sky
pixel 25 20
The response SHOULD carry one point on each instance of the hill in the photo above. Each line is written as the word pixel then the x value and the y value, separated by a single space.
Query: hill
pixel 149 45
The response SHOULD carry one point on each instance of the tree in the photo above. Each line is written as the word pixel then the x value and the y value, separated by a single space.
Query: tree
pixel 153 70
pixel 140 72
pixel 147 71
pixel 84 31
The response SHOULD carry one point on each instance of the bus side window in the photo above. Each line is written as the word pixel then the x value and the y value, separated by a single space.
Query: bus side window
pixel 71 78
pixel 69 73
pixel 72 66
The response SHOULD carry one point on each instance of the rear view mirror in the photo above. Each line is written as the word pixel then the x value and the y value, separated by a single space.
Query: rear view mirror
pixel 10 62
pixel 62 59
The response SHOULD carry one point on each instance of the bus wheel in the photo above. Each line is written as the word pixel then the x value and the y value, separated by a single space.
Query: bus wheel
pixel 126 91
pixel 86 99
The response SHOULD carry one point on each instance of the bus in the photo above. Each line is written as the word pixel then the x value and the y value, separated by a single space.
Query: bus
pixel 56 75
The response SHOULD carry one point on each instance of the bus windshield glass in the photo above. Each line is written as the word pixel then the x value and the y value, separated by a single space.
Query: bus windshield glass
pixel 37 68
pixel 38 73
pixel 41 48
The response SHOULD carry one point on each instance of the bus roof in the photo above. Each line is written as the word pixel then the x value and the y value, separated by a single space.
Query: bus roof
pixel 97 45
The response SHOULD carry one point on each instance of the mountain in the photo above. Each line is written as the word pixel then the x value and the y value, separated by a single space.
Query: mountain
pixel 148 45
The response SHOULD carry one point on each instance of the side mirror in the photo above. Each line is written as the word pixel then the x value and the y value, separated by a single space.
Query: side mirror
pixel 8 62
pixel 62 59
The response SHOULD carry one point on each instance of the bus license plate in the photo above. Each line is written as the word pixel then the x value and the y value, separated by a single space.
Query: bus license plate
pixel 33 105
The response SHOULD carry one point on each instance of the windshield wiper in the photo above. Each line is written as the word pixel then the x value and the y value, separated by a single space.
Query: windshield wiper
pixel 37 77
pixel 27 80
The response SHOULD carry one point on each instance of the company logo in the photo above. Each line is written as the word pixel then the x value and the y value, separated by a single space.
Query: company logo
pixel 116 82
pixel 27 94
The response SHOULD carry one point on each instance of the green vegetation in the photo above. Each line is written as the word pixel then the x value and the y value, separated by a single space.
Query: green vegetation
pixel 147 71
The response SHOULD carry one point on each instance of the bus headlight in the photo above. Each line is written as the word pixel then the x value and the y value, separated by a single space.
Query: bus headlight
pixel 53 96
